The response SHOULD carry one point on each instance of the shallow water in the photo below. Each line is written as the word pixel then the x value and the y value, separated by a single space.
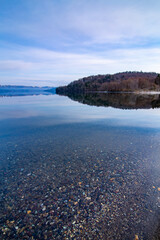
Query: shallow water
pixel 73 171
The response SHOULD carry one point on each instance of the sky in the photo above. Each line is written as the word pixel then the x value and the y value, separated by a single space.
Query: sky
pixel 53 42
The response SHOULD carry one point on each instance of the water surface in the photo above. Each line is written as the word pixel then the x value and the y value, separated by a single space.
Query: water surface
pixel 75 171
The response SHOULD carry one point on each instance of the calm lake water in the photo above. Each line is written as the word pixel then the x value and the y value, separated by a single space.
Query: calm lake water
pixel 74 171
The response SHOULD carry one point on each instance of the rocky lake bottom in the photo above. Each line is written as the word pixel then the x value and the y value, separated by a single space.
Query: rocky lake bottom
pixel 64 174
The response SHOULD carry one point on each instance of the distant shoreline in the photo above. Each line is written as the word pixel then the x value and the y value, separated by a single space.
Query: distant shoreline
pixel 147 92
pixel 118 92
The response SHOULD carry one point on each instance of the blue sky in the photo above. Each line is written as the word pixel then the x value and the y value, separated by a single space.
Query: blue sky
pixel 53 42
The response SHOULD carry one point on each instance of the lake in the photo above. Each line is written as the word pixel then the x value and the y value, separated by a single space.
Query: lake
pixel 80 168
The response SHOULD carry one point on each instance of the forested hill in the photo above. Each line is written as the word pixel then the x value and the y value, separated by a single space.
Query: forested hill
pixel 119 82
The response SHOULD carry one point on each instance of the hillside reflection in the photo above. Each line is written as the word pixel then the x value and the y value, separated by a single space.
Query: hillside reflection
pixel 119 100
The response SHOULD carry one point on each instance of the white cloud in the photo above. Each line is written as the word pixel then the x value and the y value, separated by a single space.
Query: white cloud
pixel 55 42
pixel 81 22
pixel 11 65
pixel 45 67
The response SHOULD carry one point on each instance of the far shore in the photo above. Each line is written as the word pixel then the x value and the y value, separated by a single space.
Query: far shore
pixel 147 92
pixel 135 92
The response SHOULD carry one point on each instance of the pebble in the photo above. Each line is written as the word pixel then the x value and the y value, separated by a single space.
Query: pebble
pixel 73 188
